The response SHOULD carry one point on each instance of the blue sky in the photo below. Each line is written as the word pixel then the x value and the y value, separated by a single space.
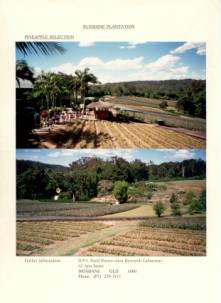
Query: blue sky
pixel 67 156
pixel 127 61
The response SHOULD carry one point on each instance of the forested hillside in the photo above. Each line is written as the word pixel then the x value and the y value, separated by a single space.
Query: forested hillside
pixel 189 94
pixel 37 180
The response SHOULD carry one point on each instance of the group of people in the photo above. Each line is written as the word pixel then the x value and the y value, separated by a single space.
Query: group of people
pixel 59 118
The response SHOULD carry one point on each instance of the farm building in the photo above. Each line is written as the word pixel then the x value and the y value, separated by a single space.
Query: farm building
pixel 101 109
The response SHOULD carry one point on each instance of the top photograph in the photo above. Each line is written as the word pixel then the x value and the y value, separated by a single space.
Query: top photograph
pixel 110 94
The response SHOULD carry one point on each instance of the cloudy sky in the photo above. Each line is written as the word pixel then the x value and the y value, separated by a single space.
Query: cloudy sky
pixel 67 156
pixel 127 61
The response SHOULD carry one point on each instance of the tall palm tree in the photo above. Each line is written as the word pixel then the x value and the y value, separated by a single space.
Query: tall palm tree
pixel 23 72
pixel 42 89
pixel 85 78
pixel 36 48
pixel 76 84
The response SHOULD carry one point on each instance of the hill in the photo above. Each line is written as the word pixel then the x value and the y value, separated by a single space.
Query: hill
pixel 23 165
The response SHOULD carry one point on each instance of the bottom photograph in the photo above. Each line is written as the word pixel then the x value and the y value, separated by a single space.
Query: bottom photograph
pixel 122 202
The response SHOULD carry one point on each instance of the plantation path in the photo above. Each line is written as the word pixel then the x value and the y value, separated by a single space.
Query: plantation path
pixel 72 246
pixel 137 213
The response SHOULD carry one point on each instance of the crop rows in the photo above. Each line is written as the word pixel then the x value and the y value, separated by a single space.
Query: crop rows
pixel 194 223
pixel 106 134
pixel 110 134
pixel 53 206
pixel 54 209
pixel 153 242
pixel 33 236
pixel 148 109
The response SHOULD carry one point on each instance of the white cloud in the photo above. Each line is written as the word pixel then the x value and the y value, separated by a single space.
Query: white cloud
pixel 164 68
pixel 91 62
pixel 66 68
pixel 76 154
pixel 163 62
pixel 132 44
pixel 95 64
pixel 60 153
pixel 124 64
pixel 86 43
pixel 37 71
pixel 178 154
pixel 54 154
pixel 184 154
pixel 199 46
pixel 116 64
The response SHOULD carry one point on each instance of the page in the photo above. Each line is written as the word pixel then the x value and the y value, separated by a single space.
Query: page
pixel 109 137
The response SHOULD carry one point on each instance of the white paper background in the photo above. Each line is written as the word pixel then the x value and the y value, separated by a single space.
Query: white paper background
pixel 175 279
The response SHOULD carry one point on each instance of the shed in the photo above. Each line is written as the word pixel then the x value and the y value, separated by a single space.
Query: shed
pixel 101 109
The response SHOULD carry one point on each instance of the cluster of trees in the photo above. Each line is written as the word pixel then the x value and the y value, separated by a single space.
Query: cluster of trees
pixel 193 101
pixel 81 178
pixel 194 204
pixel 55 89
pixel 187 169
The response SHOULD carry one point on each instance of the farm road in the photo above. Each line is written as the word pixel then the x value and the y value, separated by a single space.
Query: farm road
pixel 72 246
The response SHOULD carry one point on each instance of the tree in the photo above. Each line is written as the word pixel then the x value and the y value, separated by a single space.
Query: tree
pixel 203 199
pixel 173 198
pixel 176 209
pixel 84 78
pixel 139 170
pixel 163 104
pixel 195 206
pixel 198 205
pixel 120 191
pixel 159 208
pixel 189 197
pixel 37 48
pixel 23 72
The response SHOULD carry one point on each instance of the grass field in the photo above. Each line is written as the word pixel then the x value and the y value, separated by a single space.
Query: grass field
pixel 108 134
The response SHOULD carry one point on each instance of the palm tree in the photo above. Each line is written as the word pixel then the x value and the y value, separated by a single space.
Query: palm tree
pixel 85 78
pixel 36 48
pixel 23 72
pixel 76 84
pixel 54 87
pixel 42 89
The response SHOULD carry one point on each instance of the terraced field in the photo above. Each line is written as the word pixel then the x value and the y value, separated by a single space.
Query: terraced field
pixel 32 237
pixel 148 241
pixel 149 110
pixel 107 134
